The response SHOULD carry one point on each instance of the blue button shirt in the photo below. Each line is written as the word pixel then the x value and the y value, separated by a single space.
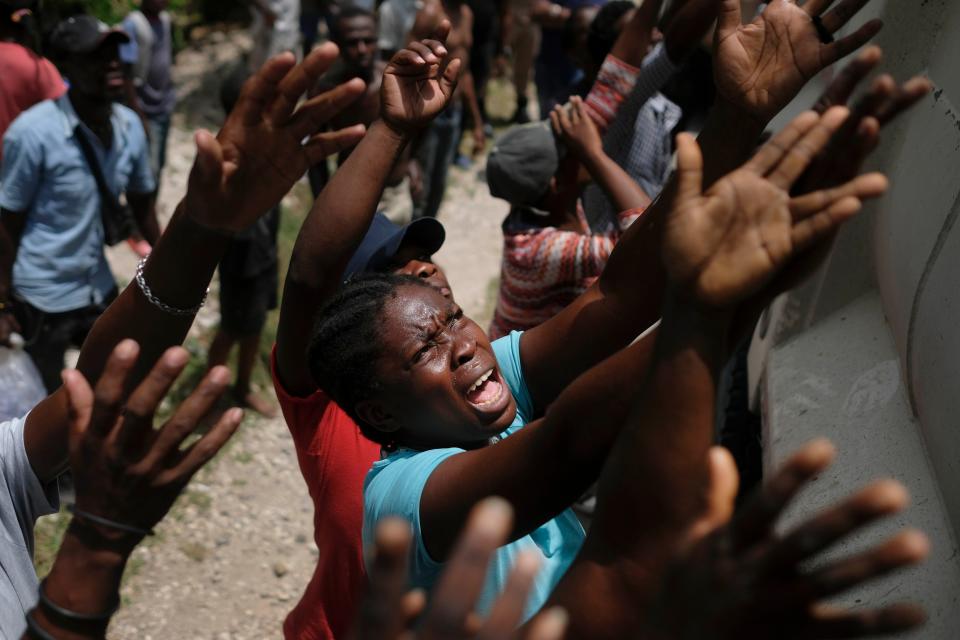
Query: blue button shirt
pixel 60 264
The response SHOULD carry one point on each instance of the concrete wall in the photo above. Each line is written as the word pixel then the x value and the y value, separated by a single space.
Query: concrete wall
pixel 868 352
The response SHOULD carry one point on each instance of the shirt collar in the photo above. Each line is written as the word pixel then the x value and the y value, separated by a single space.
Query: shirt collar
pixel 71 119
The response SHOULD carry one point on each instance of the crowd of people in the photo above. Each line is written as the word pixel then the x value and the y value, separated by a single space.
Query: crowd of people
pixel 443 460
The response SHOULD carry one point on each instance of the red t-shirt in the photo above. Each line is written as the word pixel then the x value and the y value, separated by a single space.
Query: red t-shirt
pixel 25 80
pixel 334 459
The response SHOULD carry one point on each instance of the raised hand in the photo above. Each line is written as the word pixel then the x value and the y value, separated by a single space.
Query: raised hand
pixel 268 142
pixel 576 128
pixel 722 246
pixel 742 580
pixel 418 83
pixel 124 470
pixel 390 612
pixel 761 66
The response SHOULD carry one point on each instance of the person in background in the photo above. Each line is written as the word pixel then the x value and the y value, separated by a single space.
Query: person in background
pixel 396 18
pixel 275 29
pixel 248 290
pixel 147 60
pixel 52 266
pixel 521 36
pixel 555 75
pixel 438 144
pixel 26 77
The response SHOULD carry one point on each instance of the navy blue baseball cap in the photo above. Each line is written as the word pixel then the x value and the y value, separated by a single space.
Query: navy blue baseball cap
pixel 384 239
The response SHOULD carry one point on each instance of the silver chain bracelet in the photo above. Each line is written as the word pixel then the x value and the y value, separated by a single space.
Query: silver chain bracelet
pixel 148 294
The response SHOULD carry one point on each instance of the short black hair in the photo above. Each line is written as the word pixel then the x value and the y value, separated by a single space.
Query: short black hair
pixel 347 12
pixel 346 343
pixel 603 30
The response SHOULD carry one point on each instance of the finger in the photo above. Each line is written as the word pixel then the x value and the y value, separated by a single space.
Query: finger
pixel 448 81
pixel 549 625
pixel 864 187
pixel 843 47
pixel 843 86
pixel 442 31
pixel 905 549
pixel 208 165
pixel 689 168
pixel 143 402
pixel 757 517
pixel 314 114
pixel 824 224
pixel 908 95
pixel 79 401
pixel 777 147
pixel 721 494
pixel 406 58
pixel 189 414
pixel 424 53
pixel 861 624
pixel 414 604
pixel 456 592
pixel 437 48
pixel 258 92
pixel 827 527
pixel 203 450
pixel 801 154
pixel 328 143
pixel 555 122
pixel 728 19
pixel 298 80
pixel 840 15
pixel 816 7
pixel 566 121
pixel 507 612
pixel 108 395
pixel 382 612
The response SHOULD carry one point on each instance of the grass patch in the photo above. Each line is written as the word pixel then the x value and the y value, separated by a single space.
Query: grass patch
pixel 194 550
pixel 47 536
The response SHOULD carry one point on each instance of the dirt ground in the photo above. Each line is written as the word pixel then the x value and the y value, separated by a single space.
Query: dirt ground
pixel 237 551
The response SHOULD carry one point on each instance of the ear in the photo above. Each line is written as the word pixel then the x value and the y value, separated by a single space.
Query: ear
pixel 376 416
pixel 554 186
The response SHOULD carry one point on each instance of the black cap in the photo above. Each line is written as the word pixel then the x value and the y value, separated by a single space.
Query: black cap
pixel 83 34
pixel 385 238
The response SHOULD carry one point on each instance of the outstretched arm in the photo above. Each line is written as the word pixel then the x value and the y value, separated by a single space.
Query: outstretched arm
pixel 238 175
pixel 756 77
pixel 414 90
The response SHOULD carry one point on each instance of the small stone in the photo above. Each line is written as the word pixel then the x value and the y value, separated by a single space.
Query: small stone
pixel 280 569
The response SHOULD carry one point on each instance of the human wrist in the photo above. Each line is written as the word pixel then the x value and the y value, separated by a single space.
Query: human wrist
pixel 727 114
pixel 395 133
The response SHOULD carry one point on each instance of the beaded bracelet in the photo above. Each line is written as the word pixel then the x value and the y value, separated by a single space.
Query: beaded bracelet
pixel 157 302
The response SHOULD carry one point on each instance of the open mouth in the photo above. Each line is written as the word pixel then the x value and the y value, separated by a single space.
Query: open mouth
pixel 487 390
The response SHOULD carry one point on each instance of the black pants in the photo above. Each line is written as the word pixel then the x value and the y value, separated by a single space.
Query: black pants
pixel 49 335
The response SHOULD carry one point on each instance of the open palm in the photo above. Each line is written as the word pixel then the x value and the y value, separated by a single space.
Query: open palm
pixel 724 245
pixel 418 83
pixel 260 152
pixel 761 66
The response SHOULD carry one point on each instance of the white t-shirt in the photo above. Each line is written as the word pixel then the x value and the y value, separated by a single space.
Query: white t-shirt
pixel 23 499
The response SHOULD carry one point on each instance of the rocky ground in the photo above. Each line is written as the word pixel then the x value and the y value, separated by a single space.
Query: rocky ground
pixel 234 555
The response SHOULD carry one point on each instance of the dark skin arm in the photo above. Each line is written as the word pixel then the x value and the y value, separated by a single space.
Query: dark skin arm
pixel 222 198
pixel 145 214
pixel 755 81
pixel 581 137
pixel 11 226
pixel 566 449
pixel 342 213
pixel 132 478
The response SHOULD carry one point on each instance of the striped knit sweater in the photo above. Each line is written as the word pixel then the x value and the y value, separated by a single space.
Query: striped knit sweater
pixel 544 269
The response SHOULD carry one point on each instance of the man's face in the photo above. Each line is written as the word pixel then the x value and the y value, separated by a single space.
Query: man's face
pixel 358 43
pixel 412 260
pixel 98 74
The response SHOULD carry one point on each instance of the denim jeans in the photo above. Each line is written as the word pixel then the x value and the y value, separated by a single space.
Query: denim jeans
pixel 438 146
pixel 158 128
